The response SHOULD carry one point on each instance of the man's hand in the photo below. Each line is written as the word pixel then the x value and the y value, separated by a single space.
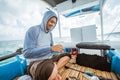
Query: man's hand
pixel 58 77
pixel 57 48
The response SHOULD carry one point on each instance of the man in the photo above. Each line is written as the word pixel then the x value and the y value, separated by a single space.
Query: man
pixel 38 44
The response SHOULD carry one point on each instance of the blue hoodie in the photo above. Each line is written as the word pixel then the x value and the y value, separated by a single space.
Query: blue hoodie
pixel 38 40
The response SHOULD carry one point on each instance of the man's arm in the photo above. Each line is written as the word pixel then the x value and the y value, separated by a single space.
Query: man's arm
pixel 30 50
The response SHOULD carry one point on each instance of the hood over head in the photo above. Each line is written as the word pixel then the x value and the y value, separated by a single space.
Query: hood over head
pixel 45 19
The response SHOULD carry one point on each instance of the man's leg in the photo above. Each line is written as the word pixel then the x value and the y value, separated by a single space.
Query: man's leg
pixel 62 61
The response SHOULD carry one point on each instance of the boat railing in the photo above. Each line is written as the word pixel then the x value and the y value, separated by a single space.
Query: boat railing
pixel 18 51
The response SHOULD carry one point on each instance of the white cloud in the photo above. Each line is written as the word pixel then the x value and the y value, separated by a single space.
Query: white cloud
pixel 111 17
pixel 16 16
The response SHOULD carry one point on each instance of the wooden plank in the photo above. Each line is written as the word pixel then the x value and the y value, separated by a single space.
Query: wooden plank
pixel 103 74
pixel 98 72
pixel 66 73
pixel 108 75
pixel 76 72
pixel 113 76
pixel 80 75
pixel 83 69
pixel 91 70
pixel 61 71
pixel 73 72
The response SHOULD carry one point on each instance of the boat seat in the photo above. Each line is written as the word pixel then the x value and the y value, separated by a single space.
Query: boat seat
pixel 94 45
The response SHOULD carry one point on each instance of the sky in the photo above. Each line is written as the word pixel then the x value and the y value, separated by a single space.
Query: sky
pixel 111 17
pixel 16 16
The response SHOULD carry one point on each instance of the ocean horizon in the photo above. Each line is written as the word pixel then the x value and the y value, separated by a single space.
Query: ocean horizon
pixel 10 46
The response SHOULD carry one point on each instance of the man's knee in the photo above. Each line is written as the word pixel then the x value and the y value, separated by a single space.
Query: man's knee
pixel 65 58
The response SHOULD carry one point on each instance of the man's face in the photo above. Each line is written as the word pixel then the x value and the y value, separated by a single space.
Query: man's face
pixel 51 23
pixel 55 75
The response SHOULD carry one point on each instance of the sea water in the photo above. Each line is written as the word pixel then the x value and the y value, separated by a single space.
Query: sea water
pixel 9 47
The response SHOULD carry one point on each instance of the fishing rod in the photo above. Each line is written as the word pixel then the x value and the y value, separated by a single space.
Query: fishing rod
pixel 89 74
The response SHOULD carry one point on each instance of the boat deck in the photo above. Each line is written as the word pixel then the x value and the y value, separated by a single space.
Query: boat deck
pixel 69 74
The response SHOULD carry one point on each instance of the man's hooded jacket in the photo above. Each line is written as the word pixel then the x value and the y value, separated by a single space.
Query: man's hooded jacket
pixel 38 40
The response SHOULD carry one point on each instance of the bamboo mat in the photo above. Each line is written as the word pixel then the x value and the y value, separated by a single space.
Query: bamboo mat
pixel 66 73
